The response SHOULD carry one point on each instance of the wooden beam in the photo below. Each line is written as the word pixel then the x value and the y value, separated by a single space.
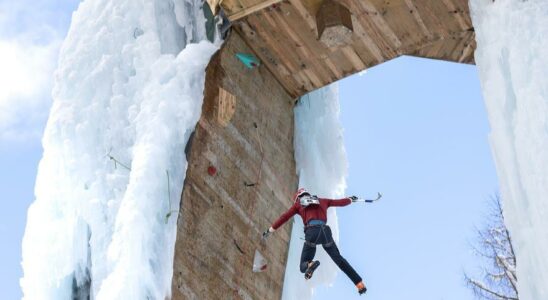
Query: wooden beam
pixel 251 9
pixel 214 6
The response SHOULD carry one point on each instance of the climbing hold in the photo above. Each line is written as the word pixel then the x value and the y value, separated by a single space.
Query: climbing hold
pixel 248 60
pixel 211 170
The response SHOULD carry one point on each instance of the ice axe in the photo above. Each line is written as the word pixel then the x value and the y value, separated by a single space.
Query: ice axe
pixel 379 196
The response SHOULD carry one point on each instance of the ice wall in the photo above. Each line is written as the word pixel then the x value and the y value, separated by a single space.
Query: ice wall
pixel 512 58
pixel 128 92
pixel 322 168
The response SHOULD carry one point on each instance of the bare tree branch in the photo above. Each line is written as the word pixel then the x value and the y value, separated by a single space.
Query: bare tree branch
pixel 487 290
pixel 495 247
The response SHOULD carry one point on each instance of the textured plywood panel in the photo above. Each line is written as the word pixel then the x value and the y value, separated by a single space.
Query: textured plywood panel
pixel 226 106
pixel 240 177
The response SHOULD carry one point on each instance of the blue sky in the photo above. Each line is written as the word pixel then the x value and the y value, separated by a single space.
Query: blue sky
pixel 30 36
pixel 415 129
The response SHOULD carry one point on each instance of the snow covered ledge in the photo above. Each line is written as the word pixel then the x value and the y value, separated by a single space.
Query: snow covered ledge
pixel 512 59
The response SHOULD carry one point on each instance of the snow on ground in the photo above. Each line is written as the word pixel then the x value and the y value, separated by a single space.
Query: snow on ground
pixel 512 59
pixel 322 168
pixel 129 85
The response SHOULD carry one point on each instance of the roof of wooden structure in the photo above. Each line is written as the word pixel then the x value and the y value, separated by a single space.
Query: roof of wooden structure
pixel 284 36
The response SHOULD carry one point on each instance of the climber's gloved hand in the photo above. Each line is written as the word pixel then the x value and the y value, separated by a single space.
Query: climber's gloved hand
pixel 267 233
pixel 353 198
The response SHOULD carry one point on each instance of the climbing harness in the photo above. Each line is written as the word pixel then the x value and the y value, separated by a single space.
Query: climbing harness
pixel 322 226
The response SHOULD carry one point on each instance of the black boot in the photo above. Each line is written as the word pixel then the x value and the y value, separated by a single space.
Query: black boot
pixel 311 268
pixel 361 288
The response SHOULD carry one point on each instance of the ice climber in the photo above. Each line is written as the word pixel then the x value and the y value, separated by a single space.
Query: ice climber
pixel 313 211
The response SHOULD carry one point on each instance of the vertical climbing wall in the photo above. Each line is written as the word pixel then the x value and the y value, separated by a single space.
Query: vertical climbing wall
pixel 240 178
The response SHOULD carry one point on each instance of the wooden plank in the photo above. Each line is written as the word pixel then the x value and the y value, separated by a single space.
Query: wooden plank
pixel 353 58
pixel 367 41
pixel 304 13
pixel 329 63
pixel 277 67
pixel 387 50
pixel 308 48
pixel 314 78
pixel 400 20
pixel 214 6
pixel 274 42
pixel 467 52
pixel 304 81
pixel 232 6
pixel 460 44
pixel 308 34
pixel 251 9
pixel 312 6
pixel 457 14
pixel 416 14
pixel 363 53
pixel 291 47
pixel 343 63
pixel 250 3
pixel 459 48
pixel 436 16
pixel 263 51
pixel 377 20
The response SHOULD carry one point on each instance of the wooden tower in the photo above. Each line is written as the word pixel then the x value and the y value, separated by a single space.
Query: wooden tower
pixel 241 170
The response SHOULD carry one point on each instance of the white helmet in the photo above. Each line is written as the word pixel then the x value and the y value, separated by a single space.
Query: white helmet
pixel 305 198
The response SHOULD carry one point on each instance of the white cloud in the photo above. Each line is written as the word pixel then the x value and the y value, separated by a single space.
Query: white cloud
pixel 25 84
pixel 29 46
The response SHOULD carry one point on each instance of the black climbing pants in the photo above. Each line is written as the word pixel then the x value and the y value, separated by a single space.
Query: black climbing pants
pixel 321 234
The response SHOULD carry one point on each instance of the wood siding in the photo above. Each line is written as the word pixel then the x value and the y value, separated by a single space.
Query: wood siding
pixel 221 219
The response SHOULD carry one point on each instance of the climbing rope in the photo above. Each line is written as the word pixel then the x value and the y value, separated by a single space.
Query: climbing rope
pixel 259 173
pixel 170 211
pixel 116 161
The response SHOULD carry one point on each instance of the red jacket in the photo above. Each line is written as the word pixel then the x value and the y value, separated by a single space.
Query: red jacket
pixel 311 212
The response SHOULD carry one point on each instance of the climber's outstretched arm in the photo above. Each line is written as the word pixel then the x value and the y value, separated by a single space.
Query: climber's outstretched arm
pixel 281 220
pixel 338 202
